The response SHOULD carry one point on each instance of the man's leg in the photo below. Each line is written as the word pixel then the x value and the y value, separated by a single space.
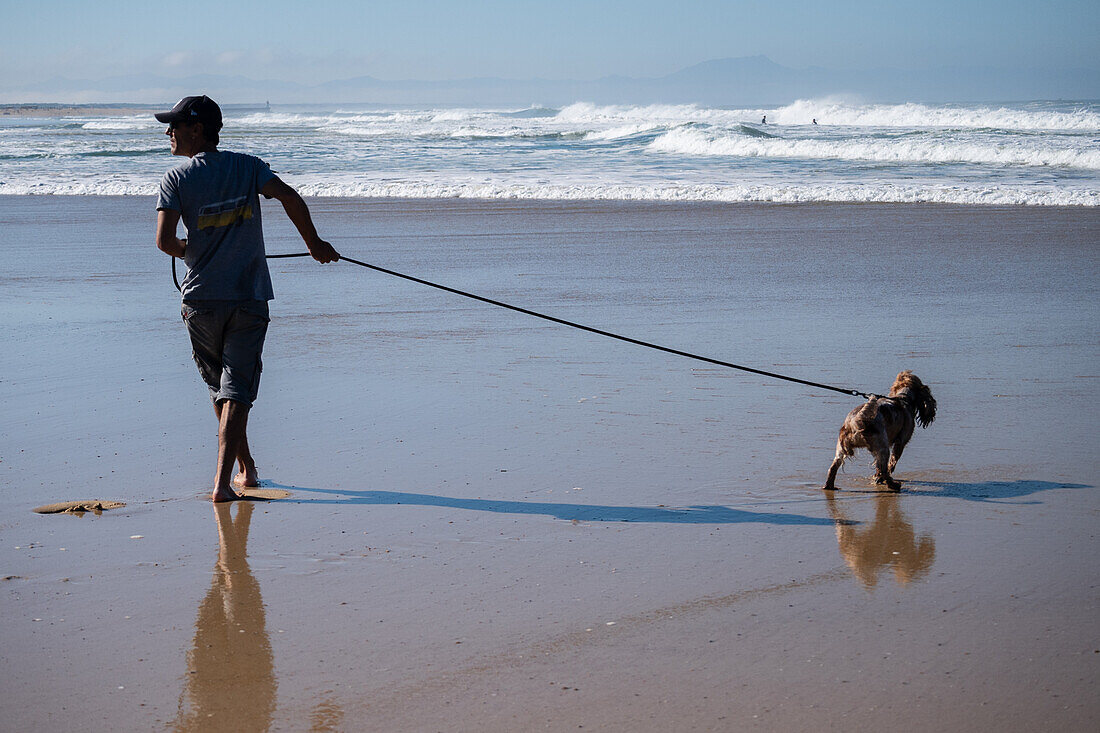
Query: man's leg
pixel 240 381
pixel 232 428
pixel 248 475
pixel 227 345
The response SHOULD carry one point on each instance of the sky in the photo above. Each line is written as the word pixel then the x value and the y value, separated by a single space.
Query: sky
pixel 558 39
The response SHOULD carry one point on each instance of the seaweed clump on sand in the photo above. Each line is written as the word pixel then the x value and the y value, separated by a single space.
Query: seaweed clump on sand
pixel 96 506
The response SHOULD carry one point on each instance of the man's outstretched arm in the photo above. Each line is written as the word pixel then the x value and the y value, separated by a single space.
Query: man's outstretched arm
pixel 298 212
pixel 167 241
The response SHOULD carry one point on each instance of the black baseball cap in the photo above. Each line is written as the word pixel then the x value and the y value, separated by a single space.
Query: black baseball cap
pixel 194 109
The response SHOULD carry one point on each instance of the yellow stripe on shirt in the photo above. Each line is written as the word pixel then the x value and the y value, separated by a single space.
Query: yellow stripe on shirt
pixel 225 218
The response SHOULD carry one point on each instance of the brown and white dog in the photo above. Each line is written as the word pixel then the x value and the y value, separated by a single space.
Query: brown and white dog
pixel 884 425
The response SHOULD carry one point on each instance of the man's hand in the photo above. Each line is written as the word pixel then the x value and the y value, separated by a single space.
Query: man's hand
pixel 298 212
pixel 322 251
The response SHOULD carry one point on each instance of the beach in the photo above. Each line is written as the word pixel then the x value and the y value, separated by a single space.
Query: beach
pixel 73 110
pixel 495 523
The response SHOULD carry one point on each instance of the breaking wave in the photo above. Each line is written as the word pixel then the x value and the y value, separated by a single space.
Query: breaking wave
pixel 831 112
pixel 144 122
pixel 803 112
pixel 895 150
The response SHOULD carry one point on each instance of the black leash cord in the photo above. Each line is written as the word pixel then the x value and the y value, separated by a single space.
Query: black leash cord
pixel 176 280
pixel 580 326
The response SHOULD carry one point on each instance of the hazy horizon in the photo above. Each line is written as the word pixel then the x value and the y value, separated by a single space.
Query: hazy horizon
pixel 714 82
pixel 434 42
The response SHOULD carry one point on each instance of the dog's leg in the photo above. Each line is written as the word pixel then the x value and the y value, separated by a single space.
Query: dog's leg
pixel 829 482
pixel 880 449
pixel 838 461
pixel 895 454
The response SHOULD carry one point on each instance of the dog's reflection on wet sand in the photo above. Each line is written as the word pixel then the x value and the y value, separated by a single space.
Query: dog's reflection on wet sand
pixel 888 541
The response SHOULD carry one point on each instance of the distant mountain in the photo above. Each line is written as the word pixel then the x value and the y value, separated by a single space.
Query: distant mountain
pixel 745 81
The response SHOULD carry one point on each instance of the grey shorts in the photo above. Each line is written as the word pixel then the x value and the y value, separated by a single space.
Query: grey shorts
pixel 227 338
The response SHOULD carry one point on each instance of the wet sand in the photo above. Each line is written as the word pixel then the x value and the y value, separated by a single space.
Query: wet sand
pixel 495 523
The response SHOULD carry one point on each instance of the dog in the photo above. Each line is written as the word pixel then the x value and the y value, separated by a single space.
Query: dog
pixel 884 425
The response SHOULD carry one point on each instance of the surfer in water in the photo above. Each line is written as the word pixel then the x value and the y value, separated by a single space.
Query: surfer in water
pixel 764 120
pixel 225 293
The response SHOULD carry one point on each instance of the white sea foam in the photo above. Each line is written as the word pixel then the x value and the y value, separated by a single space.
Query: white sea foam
pixel 362 129
pixel 280 120
pixel 125 123
pixel 895 150
pixel 621 131
pixel 458 115
pixel 78 188
pixel 727 193
pixel 469 189
pixel 584 113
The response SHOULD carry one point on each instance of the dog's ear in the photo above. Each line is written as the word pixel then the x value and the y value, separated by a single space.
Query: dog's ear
pixel 926 405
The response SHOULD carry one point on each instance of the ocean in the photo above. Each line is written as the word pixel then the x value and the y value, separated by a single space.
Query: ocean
pixel 1031 153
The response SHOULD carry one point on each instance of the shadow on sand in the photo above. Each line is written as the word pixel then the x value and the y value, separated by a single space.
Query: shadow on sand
pixel 711 514
pixel 987 491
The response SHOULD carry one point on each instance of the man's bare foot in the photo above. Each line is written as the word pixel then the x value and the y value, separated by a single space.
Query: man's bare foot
pixel 248 478
pixel 227 495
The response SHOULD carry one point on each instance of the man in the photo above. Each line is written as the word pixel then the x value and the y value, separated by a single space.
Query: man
pixel 227 286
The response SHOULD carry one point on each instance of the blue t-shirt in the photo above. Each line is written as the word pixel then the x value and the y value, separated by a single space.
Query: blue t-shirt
pixel 217 195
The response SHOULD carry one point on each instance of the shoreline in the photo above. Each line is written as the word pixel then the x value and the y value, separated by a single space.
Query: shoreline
pixel 75 110
pixel 590 202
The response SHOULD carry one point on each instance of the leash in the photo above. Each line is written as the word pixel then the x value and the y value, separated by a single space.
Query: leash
pixel 176 280
pixel 571 324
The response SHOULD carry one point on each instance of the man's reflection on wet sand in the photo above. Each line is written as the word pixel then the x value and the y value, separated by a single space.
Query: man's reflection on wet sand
pixel 887 542
pixel 230 683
